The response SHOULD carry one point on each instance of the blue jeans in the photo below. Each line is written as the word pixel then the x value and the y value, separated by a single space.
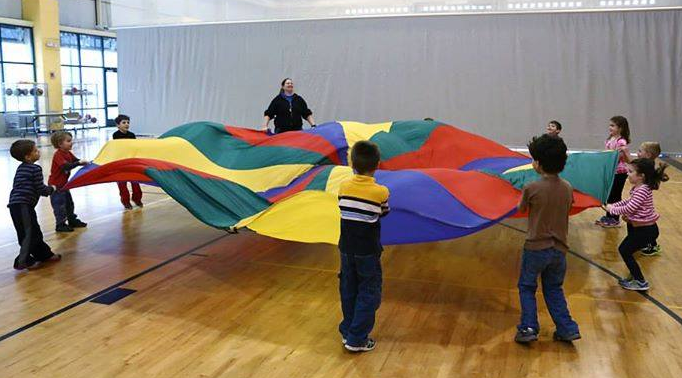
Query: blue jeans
pixel 62 206
pixel 550 265
pixel 360 288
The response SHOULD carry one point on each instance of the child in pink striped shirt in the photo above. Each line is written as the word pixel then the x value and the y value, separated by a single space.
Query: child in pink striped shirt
pixel 639 213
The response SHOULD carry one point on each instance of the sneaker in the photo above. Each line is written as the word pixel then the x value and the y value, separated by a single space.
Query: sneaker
pixel 139 204
pixel 610 223
pixel 77 223
pixel 369 345
pixel 626 279
pixel 128 206
pixel 526 335
pixel 635 285
pixel 567 338
pixel 28 265
pixel 601 220
pixel 651 250
pixel 63 227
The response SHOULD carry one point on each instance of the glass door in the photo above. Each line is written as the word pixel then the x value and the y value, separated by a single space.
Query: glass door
pixel 111 94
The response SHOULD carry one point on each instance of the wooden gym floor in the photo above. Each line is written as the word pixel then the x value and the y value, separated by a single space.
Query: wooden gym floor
pixel 209 304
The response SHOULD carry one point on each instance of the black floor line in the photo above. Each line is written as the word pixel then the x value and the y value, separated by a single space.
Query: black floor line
pixel 673 162
pixel 611 273
pixel 104 291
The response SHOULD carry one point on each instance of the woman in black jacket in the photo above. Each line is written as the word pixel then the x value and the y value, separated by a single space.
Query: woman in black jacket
pixel 288 109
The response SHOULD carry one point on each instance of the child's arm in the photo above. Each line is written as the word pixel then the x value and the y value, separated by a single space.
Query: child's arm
pixel 385 209
pixel 629 206
pixel 68 166
pixel 523 202
pixel 39 184
pixel 625 153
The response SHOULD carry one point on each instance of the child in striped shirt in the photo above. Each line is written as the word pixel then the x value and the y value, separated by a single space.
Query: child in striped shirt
pixel 639 213
pixel 650 150
pixel 27 188
pixel 362 203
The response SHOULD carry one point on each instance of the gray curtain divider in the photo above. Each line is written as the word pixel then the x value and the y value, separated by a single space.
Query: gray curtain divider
pixel 501 76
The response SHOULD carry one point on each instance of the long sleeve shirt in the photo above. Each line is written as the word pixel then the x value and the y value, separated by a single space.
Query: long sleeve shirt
pixel 288 114
pixel 615 144
pixel 639 207
pixel 62 163
pixel 28 185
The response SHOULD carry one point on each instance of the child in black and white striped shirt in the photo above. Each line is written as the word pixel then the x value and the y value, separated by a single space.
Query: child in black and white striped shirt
pixel 27 188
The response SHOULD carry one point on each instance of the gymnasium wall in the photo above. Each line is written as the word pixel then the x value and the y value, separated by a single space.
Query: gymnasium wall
pixel 502 76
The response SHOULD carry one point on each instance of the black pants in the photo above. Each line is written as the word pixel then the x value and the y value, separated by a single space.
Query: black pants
pixel 29 235
pixel 617 191
pixel 638 238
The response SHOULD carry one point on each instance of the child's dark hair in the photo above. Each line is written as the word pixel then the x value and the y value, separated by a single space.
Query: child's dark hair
pixel 653 176
pixel 58 137
pixel 550 152
pixel 623 125
pixel 365 157
pixel 120 118
pixel 21 148
pixel 556 124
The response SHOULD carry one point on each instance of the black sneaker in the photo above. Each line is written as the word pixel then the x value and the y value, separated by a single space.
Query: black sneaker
pixel 526 335
pixel 77 223
pixel 369 345
pixel 63 227
pixel 651 250
pixel 567 338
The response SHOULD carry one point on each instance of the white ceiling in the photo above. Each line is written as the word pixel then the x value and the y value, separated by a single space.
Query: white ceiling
pixel 127 13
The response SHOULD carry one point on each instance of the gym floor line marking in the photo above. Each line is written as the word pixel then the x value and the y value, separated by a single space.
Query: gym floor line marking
pixel 95 220
pixel 611 273
pixel 673 162
pixel 104 291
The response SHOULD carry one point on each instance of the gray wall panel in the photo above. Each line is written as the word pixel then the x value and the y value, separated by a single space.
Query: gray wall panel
pixel 10 8
pixel 502 76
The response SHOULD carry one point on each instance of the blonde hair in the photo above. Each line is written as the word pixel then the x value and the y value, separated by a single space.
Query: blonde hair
pixel 652 148
pixel 58 137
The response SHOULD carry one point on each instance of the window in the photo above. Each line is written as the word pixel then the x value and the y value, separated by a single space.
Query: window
pixel 16 61
pixel 89 76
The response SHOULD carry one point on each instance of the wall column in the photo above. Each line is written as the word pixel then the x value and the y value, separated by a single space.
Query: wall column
pixel 45 17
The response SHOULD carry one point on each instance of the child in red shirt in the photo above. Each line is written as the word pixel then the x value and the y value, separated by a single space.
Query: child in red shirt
pixel 63 162
pixel 123 124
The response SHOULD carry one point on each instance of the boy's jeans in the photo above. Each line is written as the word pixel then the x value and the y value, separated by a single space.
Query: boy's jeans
pixel 550 265
pixel 360 288
pixel 62 205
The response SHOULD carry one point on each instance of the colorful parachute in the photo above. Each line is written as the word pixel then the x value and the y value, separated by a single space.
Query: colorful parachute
pixel 444 182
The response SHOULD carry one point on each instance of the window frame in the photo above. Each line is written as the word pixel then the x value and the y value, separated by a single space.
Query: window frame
pixel 3 62
pixel 103 68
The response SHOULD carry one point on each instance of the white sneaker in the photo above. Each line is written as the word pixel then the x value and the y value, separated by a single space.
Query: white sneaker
pixel 369 345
